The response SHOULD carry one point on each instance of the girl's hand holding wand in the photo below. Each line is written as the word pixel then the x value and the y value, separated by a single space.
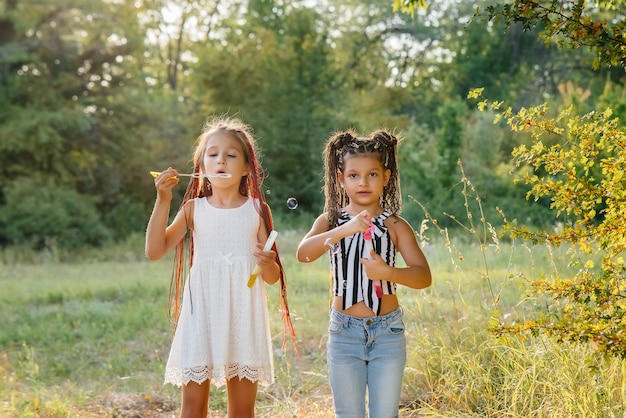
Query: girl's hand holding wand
pixel 359 223
pixel 165 182
pixel 158 240
pixel 376 269
pixel 369 253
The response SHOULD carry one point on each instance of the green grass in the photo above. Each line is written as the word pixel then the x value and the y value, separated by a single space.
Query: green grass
pixel 91 338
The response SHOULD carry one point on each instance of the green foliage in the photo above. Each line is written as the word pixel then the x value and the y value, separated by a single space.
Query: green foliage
pixel 572 24
pixel 487 161
pixel 449 143
pixel 43 215
pixel 409 6
pixel 93 95
pixel 278 81
pixel 484 152
pixel 582 173
pixel 77 109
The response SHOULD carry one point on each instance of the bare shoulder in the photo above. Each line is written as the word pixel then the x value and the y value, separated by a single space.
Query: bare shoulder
pixel 398 224
pixel 321 222
pixel 404 237
pixel 188 211
pixel 320 225
pixel 399 229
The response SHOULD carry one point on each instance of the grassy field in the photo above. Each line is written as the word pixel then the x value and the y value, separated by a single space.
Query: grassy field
pixel 91 338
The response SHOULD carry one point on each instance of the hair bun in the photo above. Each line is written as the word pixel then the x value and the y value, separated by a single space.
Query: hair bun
pixel 344 137
pixel 385 136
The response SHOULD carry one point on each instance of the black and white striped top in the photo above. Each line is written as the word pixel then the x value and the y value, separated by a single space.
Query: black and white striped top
pixel 349 276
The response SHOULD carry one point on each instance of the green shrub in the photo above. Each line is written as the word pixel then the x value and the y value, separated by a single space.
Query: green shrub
pixel 43 215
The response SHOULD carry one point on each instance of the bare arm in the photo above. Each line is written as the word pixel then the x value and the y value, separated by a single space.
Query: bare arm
pixel 160 238
pixel 417 273
pixel 313 245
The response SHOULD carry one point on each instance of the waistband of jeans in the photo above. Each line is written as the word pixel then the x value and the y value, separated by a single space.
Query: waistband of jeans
pixel 369 321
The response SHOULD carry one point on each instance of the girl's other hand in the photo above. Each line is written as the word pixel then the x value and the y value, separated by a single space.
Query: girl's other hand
pixel 264 258
pixel 165 182
pixel 376 268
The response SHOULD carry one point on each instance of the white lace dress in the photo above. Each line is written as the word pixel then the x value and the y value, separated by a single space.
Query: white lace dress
pixel 223 328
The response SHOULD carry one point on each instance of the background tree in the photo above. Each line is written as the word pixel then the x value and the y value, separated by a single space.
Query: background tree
pixel 96 94
pixel 79 111
pixel 582 173
pixel 572 24
pixel 578 162
pixel 281 80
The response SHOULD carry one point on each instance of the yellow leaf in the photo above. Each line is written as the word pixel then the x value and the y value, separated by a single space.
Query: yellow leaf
pixel 475 93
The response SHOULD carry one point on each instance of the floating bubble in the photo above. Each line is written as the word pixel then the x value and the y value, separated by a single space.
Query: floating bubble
pixel 292 203
pixel 268 191
pixel 333 247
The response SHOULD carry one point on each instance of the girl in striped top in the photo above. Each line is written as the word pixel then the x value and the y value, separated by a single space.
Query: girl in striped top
pixel 361 230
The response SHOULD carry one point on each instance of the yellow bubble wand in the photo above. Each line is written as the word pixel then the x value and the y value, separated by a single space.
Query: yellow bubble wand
pixel 267 247
pixel 197 175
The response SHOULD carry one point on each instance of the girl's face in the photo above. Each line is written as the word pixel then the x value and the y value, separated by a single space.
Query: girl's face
pixel 224 154
pixel 363 178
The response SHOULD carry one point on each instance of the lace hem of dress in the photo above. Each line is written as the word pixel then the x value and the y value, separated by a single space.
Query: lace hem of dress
pixel 218 377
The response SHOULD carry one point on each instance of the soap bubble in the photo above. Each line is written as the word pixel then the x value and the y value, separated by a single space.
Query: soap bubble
pixel 292 203
pixel 333 247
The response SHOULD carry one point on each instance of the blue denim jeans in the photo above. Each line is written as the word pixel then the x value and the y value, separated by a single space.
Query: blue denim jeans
pixel 366 355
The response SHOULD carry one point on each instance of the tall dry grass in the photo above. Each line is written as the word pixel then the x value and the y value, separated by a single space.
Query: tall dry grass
pixel 90 339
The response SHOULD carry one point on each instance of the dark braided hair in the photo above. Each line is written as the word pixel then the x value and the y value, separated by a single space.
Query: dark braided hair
pixel 380 143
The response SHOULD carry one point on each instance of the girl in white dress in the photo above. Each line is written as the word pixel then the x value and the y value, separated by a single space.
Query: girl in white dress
pixel 222 331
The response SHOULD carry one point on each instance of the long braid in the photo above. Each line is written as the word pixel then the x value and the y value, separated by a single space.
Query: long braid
pixel 335 196
pixel 254 188
pixel 183 257
pixel 388 148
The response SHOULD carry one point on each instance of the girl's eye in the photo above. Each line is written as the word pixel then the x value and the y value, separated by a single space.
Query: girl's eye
pixel 352 176
pixel 373 174
pixel 232 155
